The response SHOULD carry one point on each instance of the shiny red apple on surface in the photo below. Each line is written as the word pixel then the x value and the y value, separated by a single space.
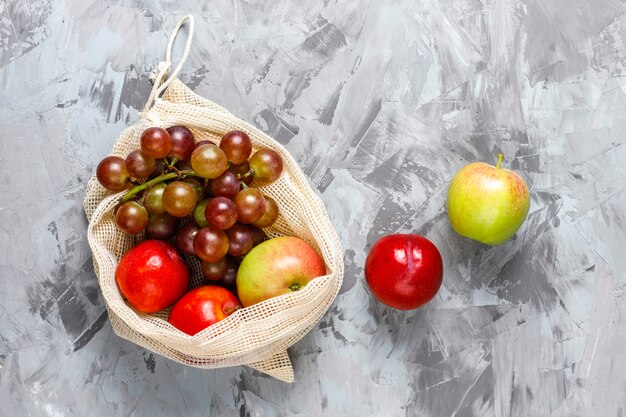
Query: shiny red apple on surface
pixel 152 276
pixel 275 267
pixel 202 307
pixel 404 271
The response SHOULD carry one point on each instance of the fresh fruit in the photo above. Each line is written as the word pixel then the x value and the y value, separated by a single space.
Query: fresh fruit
pixel 152 276
pixel 210 245
pixel 153 200
pixel 237 146
pixel 172 175
pixel 226 185
pixel 220 213
pixel 139 165
pixel 182 142
pixel 156 142
pixel 266 164
pixel 131 217
pixel 487 203
pixel 230 277
pixel 258 235
pixel 214 271
pixel 112 174
pixel 202 307
pixel 240 240
pixel 162 226
pixel 404 271
pixel 203 142
pixel 184 238
pixel 271 214
pixel 198 213
pixel 208 161
pixel 250 205
pixel 179 199
pixel 275 267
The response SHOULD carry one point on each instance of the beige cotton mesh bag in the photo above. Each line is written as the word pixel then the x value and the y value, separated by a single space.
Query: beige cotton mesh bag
pixel 258 335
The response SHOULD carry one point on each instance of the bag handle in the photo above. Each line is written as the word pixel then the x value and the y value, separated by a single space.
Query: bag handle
pixel 164 66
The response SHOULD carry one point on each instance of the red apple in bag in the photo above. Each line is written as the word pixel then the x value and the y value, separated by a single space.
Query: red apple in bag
pixel 152 276
pixel 202 307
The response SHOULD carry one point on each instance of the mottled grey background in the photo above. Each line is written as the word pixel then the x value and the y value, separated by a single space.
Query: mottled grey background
pixel 380 102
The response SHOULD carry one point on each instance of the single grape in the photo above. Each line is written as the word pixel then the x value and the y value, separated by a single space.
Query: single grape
pixel 153 199
pixel 271 214
pixel 184 238
pixel 214 271
pixel 220 213
pixel 230 277
pixel 210 245
pixel 131 217
pixel 250 205
pixel 162 226
pixel 258 235
pixel 198 213
pixel 182 142
pixel 139 165
pixel 240 240
pixel 208 161
pixel 160 167
pixel 237 146
pixel 266 164
pixel 240 171
pixel 203 142
pixel 112 174
pixel 226 185
pixel 197 187
pixel 156 142
pixel 179 199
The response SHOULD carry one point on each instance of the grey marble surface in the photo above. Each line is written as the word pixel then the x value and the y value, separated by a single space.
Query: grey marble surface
pixel 380 103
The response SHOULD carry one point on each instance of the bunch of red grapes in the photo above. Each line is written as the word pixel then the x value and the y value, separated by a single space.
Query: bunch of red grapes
pixel 209 183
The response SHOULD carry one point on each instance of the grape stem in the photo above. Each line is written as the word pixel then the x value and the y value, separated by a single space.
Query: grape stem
pixel 172 163
pixel 163 177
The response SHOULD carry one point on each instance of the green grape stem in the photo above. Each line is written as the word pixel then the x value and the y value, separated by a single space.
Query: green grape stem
pixel 163 177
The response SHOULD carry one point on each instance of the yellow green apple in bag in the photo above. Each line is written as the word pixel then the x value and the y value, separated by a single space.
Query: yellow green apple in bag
pixel 275 267
pixel 487 203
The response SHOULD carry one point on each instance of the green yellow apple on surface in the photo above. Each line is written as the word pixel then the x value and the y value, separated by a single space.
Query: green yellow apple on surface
pixel 487 203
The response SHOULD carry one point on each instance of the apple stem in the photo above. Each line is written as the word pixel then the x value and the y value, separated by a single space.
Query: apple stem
pixel 500 157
